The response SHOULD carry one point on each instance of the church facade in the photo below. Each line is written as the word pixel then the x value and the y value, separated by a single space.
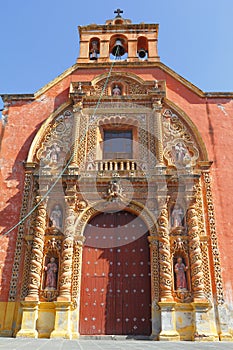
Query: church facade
pixel 116 198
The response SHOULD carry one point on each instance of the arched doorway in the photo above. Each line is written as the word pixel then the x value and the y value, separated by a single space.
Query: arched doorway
pixel 116 282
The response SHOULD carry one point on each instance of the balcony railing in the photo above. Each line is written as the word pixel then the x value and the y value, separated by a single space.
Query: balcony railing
pixel 113 165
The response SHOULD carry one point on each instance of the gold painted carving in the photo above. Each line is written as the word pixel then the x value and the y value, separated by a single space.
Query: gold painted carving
pixel 154 249
pixel 19 242
pixel 56 142
pixel 67 253
pixel 77 265
pixel 164 254
pixel 37 252
pixel 179 148
pixel 213 239
pixel 195 252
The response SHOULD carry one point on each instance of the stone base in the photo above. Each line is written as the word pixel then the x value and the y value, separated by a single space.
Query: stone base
pixel 169 336
pixel 61 334
pixel 29 319
pixel 62 326
pixel 206 337
pixel 75 335
pixel 27 333
pixel 226 337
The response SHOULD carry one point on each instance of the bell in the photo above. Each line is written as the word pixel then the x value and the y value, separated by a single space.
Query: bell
pixel 93 55
pixel 118 48
pixel 94 50
pixel 142 53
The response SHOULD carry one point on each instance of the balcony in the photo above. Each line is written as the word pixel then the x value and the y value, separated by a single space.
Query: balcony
pixel 117 167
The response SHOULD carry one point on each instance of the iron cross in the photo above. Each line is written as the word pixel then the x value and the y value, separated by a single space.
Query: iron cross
pixel 118 11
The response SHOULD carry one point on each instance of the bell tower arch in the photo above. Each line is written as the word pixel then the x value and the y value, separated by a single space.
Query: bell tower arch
pixel 132 42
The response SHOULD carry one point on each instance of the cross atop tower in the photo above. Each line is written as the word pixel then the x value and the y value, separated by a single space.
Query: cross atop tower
pixel 118 11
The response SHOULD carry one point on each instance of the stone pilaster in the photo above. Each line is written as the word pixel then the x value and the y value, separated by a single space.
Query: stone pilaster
pixel 155 310
pixel 76 285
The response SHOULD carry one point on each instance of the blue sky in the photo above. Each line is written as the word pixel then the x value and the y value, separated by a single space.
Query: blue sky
pixel 39 39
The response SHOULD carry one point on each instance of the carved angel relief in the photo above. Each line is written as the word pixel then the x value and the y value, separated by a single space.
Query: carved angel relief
pixel 56 144
pixel 179 148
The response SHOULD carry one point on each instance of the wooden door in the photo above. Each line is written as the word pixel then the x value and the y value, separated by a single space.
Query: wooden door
pixel 115 285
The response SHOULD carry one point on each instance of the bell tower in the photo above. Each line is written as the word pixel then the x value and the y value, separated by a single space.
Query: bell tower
pixel 118 39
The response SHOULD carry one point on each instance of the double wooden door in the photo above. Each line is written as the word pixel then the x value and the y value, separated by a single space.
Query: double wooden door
pixel 115 284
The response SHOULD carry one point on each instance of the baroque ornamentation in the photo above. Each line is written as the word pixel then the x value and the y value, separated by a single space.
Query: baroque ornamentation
pixel 37 252
pixel 77 265
pixel 67 253
pixel 132 86
pixel 179 248
pixel 195 252
pixel 57 142
pixel 164 254
pixel 206 268
pixel 159 135
pixel 81 153
pixel 19 242
pixel 179 147
pixel 199 208
pixel 154 268
pixel 213 239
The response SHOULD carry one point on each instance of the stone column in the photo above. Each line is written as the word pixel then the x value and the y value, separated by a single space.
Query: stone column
pixel 197 278
pixel 67 253
pixel 62 327
pixel 157 108
pixel 75 137
pixel 30 305
pixel 165 267
pixel 37 252
pixel 168 324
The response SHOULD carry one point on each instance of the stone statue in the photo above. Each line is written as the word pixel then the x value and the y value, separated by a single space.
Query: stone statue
pixel 54 153
pixel 179 153
pixel 56 217
pixel 51 275
pixel 180 270
pixel 177 217
pixel 114 191
pixel 116 91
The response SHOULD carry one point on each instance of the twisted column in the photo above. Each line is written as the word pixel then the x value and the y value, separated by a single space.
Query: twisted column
pixel 164 255
pixel 67 255
pixel 195 253
pixel 37 252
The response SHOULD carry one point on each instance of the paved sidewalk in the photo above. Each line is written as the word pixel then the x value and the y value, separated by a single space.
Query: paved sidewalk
pixel 62 344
